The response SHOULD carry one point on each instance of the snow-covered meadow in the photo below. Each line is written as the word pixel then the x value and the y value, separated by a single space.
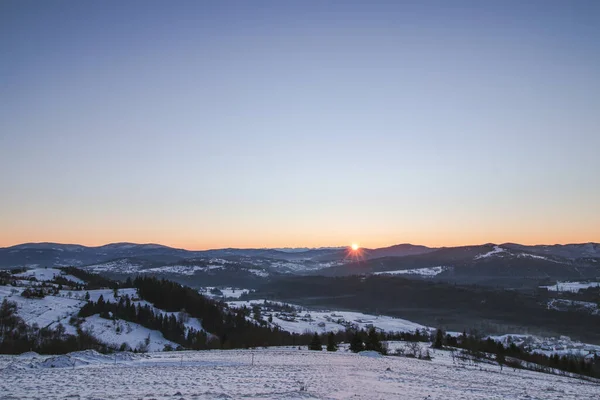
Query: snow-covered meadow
pixel 52 310
pixel 275 373
pixel 433 271
pixel 302 320
pixel 48 274
pixel 573 287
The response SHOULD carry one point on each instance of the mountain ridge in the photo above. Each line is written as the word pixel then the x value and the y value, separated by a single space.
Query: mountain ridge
pixel 508 265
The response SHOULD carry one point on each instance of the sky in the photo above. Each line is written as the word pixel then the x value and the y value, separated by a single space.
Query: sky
pixel 208 124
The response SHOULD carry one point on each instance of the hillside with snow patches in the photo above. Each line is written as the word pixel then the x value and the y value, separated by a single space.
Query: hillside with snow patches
pixel 53 310
pixel 279 373
pixel 65 305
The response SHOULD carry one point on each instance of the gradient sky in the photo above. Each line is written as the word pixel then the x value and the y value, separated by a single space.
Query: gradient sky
pixel 299 123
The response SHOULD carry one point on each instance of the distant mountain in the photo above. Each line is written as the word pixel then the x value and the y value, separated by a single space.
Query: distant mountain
pixel 507 264
pixel 399 250
pixel 571 251
pixel 513 266
pixel 55 254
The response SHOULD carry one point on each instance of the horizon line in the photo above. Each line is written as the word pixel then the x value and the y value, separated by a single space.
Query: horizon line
pixel 292 247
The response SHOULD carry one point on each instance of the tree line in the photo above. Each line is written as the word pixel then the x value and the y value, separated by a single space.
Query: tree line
pixel 228 327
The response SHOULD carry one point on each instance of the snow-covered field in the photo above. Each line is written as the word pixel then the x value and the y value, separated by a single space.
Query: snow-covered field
pixel 124 266
pixel 48 274
pixel 548 346
pixel 273 374
pixel 328 321
pixel 43 312
pixel 228 292
pixel 118 332
pixel 574 305
pixel 571 286
pixel 181 269
pixel 51 310
pixel 433 271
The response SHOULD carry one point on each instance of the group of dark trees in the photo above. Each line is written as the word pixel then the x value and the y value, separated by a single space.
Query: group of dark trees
pixel 92 281
pixel 369 340
pixel 37 292
pixel 590 294
pixel 434 303
pixel 316 342
pixel 172 327
pixel 17 337
pixel 228 327
pixel 5 278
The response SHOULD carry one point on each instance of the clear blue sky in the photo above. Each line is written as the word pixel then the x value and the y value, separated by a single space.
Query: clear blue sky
pixel 303 123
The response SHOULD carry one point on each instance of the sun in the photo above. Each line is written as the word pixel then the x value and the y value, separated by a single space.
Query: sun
pixel 354 246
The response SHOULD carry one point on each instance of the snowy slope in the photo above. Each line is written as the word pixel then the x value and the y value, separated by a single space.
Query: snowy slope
pixel 571 286
pixel 48 274
pixel 117 332
pixel 329 321
pixel 495 251
pixel 276 374
pixel 123 266
pixel 433 271
pixel 44 312
pixel 51 310
pixel 548 346
pixel 227 292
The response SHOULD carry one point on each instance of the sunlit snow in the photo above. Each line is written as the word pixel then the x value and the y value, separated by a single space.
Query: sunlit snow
pixel 497 250
pixel 285 373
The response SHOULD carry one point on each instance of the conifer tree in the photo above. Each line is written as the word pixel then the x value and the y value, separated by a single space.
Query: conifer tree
pixel 439 339
pixel 356 343
pixel 373 342
pixel 331 342
pixel 315 343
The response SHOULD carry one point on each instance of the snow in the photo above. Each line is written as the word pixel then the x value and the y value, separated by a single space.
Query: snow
pixel 48 274
pixel 497 250
pixel 303 265
pixel 328 321
pixel 370 353
pixel 571 286
pixel 417 271
pixel 51 310
pixel 276 374
pixel 44 312
pixel 119 266
pixel 29 354
pixel 574 305
pixel 220 261
pixel 259 272
pixel 228 292
pixel 234 293
pixel 175 269
pixel 109 294
pixel 533 256
pixel 548 345
pixel 129 332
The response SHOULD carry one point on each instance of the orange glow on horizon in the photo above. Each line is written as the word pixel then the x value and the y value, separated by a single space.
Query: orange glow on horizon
pixel 224 238
pixel 199 245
